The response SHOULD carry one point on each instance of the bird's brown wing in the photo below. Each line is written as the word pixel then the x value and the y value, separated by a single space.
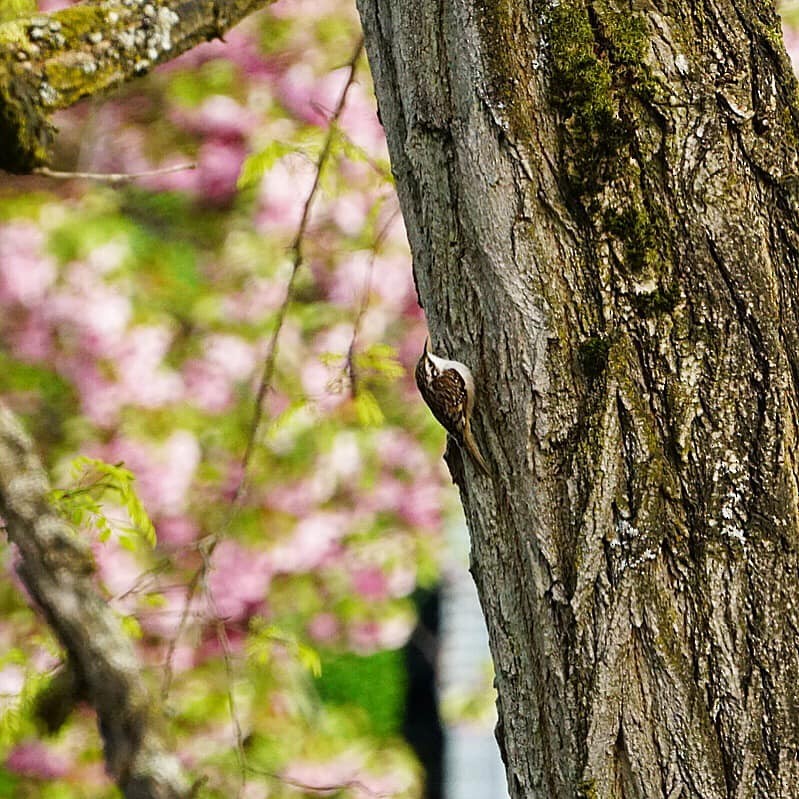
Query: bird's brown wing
pixel 446 398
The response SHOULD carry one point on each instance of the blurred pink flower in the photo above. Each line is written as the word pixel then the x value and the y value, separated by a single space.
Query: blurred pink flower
pixel 359 121
pixel 283 193
pixel 240 47
pixel 218 117
pixel 259 298
pixel 239 580
pixel 366 637
pixel 386 495
pixel 26 271
pixel 38 760
pixel 398 450
pixel 340 770
pixel 351 279
pixel 791 37
pixel 324 628
pixel 163 473
pixel 232 355
pixel 139 363
pixel 311 98
pixel 393 281
pixel 32 338
pixel 218 166
pixel 349 212
pixel 12 678
pixel 402 580
pixel 116 566
pixel 421 505
pixel 315 538
pixel 164 619
pixel 176 531
pixel 369 582
pixel 207 386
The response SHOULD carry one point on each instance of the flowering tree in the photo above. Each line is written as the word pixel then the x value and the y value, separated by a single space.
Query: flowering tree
pixel 213 364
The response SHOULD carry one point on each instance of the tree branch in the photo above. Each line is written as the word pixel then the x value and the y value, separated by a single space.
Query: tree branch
pixel 50 61
pixel 56 567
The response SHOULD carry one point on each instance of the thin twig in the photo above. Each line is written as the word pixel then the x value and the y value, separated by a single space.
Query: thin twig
pixel 296 248
pixel 268 371
pixel 112 177
pixel 367 290
pixel 321 790
pixel 227 657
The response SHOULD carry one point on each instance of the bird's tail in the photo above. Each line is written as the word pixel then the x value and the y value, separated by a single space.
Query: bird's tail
pixel 471 445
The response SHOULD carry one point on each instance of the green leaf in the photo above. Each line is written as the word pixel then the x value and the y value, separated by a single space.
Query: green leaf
pixel 255 166
pixel 94 479
pixel 367 409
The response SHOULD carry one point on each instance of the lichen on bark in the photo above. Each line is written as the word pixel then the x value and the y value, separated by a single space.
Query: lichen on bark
pixel 618 188
pixel 50 61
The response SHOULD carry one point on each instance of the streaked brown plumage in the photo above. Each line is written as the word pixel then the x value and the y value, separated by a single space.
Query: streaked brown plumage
pixel 448 389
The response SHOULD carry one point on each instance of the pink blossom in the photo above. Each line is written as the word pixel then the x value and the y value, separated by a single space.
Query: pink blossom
pixel 38 760
pixel 341 770
pixel 402 580
pixel 12 678
pixel 370 583
pixel 315 538
pixel 386 495
pixel 259 298
pixel 32 338
pixel 239 47
pixel 359 121
pixel 351 279
pixel 97 312
pixel 324 628
pixel 164 619
pixel 138 362
pixel 164 474
pixel 218 166
pixel 176 531
pixel 106 257
pixel 349 212
pixel 239 580
pixel 207 387
pixel 321 383
pixel 232 355
pixel 26 271
pixel 421 505
pixel 398 450
pixel 219 117
pixel 366 637
pixel 283 193
pixel 116 566
pixel 393 281
pixel 100 399
pixel 182 180
pixel 311 98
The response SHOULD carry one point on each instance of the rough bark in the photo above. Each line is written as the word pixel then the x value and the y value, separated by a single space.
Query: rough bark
pixel 56 567
pixel 601 199
pixel 50 61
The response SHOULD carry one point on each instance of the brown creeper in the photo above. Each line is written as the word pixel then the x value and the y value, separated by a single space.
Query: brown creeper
pixel 448 389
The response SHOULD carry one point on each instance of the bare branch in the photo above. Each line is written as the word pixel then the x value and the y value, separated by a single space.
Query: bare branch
pixel 56 567
pixel 113 178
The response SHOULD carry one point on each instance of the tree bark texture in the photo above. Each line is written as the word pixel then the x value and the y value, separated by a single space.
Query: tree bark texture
pixel 601 199
pixel 56 567
pixel 50 61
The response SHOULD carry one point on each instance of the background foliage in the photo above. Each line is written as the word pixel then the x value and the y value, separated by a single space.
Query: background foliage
pixel 267 578
pixel 269 600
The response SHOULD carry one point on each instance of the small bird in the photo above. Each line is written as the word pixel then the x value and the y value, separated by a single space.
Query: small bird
pixel 448 389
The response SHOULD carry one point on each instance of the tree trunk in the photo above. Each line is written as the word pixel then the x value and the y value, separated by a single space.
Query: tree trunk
pixel 602 201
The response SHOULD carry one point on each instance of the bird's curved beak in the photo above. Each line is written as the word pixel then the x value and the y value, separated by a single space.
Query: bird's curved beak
pixel 427 345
